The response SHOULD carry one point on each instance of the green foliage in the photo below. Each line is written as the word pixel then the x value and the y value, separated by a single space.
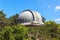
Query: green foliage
pixel 17 32
pixel 53 29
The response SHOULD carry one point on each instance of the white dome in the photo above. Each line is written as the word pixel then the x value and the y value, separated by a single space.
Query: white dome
pixel 28 17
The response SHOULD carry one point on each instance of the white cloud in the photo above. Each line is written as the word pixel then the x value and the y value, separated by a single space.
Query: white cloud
pixel 57 20
pixel 57 8
pixel 49 6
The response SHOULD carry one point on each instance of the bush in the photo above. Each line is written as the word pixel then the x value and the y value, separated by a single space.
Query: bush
pixel 16 32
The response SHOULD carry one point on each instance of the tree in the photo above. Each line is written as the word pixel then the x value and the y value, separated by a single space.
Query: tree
pixel 43 19
pixel 12 19
pixel 2 19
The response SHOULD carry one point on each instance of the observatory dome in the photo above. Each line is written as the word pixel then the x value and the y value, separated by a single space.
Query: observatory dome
pixel 29 17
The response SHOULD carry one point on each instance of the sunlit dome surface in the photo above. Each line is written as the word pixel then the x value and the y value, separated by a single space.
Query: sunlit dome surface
pixel 29 17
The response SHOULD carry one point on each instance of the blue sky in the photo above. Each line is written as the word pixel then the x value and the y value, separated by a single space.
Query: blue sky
pixel 50 9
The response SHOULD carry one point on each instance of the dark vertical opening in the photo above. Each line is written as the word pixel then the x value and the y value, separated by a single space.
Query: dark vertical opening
pixel 31 13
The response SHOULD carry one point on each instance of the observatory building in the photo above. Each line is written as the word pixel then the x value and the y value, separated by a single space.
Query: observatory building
pixel 29 17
